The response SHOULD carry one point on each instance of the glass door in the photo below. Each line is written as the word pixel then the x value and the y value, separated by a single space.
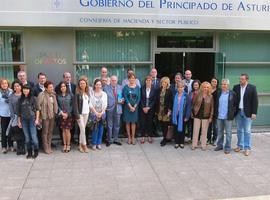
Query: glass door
pixel 201 64
pixel 220 59
pixel 169 63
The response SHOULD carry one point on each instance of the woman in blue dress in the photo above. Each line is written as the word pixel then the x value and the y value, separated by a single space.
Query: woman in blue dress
pixel 132 96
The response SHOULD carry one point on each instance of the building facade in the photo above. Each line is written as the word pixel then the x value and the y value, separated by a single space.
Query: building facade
pixel 211 38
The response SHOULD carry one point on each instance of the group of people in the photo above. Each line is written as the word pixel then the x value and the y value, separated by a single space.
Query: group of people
pixel 200 111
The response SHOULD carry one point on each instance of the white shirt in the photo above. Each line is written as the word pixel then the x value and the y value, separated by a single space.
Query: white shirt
pixel 85 106
pixel 188 84
pixel 148 90
pixel 242 92
pixel 41 87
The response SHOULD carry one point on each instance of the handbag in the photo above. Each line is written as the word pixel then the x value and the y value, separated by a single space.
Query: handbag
pixel 92 121
pixel 16 133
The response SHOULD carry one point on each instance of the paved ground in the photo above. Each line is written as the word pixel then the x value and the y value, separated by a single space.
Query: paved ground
pixel 139 172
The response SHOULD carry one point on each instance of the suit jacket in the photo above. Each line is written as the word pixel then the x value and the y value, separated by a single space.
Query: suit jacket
pixel 37 90
pixel 112 101
pixel 156 83
pixel 152 97
pixel 250 100
pixel 31 84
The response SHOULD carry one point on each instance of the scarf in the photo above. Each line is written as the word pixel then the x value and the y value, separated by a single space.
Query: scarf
pixel 179 123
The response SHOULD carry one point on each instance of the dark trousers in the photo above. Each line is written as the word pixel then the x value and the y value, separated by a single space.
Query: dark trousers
pixel 164 128
pixel 147 123
pixel 189 127
pixel 39 136
pixel 212 131
pixel 179 136
pixel 5 140
pixel 156 126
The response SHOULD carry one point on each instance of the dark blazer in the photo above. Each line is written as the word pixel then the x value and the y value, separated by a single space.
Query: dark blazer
pixel 152 97
pixel 156 83
pixel 31 84
pixel 214 94
pixel 168 104
pixel 231 104
pixel 250 100
pixel 37 90
pixel 77 105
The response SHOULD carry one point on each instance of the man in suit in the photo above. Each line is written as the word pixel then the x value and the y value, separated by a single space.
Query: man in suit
pixel 39 87
pixel 247 106
pixel 22 77
pixel 155 79
pixel 114 110
pixel 188 81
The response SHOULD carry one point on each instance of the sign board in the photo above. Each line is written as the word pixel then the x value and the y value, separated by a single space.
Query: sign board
pixel 173 14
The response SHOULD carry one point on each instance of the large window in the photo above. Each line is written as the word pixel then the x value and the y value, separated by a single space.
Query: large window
pixel 115 49
pixel 11 53
pixel 185 40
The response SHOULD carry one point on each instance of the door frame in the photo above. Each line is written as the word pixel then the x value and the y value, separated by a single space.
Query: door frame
pixel 157 50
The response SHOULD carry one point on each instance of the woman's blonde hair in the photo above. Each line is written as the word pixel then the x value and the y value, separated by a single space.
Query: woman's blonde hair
pixel 205 83
pixel 165 79
pixel 2 80
pixel 180 84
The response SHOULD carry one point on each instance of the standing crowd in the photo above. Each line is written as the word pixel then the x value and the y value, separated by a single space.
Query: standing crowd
pixel 185 108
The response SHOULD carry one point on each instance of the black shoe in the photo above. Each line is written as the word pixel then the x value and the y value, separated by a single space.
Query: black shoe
pixel 163 143
pixel 182 146
pixel 29 153
pixel 118 143
pixel 23 151
pixel 218 149
pixel 53 145
pixel 176 146
pixel 35 153
pixel 108 144
pixel 19 150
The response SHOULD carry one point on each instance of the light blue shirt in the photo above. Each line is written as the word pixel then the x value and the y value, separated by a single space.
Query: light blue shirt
pixel 4 106
pixel 223 105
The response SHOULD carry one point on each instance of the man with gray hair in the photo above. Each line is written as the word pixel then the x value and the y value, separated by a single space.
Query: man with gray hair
pixel 114 110
pixel 225 108
pixel 22 77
